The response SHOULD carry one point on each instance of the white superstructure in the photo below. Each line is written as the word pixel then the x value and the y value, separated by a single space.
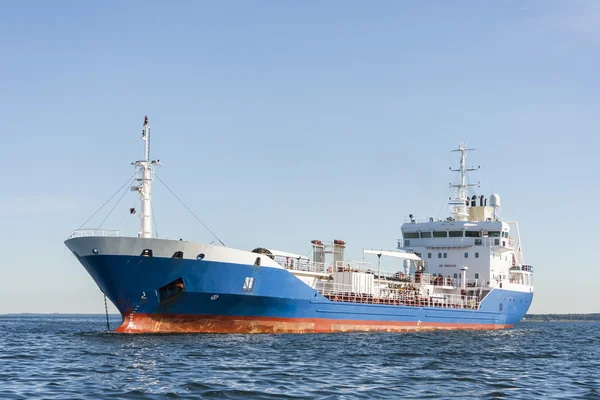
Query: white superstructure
pixel 474 237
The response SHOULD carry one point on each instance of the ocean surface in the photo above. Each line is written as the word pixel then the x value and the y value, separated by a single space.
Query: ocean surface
pixel 73 357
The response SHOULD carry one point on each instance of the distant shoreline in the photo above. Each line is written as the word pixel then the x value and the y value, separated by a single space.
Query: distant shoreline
pixel 562 317
pixel 559 320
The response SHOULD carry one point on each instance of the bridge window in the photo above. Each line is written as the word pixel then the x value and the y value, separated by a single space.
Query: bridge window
pixel 472 234
pixel 411 235
pixel 466 255
pixel 476 255
pixel 428 255
pixel 476 276
pixel 438 234
pixel 439 255
pixel 455 276
pixel 425 235
pixel 445 255
pixel 494 234
pixel 455 233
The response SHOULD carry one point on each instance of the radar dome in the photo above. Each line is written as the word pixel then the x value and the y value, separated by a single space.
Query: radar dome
pixel 495 200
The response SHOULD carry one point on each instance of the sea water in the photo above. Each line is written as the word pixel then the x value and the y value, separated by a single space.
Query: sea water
pixel 73 357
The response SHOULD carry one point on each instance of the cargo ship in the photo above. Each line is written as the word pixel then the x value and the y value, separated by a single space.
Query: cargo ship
pixel 464 271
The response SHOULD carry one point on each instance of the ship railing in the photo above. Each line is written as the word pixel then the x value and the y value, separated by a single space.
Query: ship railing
pixel 393 276
pixel 382 275
pixel 471 282
pixel 353 266
pixel 518 268
pixel 520 275
pixel 422 220
pixel 389 296
pixel 95 232
pixel 301 264
pixel 426 279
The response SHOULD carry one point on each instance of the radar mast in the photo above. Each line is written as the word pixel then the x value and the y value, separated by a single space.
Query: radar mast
pixel 460 211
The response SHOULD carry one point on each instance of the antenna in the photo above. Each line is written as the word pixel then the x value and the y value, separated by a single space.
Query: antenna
pixel 460 211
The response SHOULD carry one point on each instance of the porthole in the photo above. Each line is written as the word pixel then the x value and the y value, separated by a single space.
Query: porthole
pixel 95 251
pixel 200 256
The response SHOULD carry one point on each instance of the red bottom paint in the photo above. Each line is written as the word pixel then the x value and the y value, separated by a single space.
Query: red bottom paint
pixel 157 323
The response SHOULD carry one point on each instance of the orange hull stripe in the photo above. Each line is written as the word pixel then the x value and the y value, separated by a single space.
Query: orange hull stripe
pixel 162 323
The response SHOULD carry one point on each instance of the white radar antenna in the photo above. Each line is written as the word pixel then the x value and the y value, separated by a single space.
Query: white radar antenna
pixel 461 194
pixel 144 187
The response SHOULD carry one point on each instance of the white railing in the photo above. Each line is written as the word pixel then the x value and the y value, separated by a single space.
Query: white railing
pixel 306 265
pixel 455 282
pixel 358 266
pixel 95 232
pixel 518 268
pixel 353 266
pixel 401 297
pixel 423 220
pixel 302 264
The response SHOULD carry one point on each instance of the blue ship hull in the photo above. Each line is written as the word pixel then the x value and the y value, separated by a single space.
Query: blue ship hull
pixel 212 297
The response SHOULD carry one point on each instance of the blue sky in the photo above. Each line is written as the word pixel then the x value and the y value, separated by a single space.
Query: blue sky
pixel 281 122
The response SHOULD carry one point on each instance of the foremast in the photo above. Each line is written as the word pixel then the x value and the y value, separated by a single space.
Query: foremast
pixel 144 186
pixel 459 202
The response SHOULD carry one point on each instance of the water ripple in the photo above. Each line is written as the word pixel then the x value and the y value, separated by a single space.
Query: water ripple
pixel 71 357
